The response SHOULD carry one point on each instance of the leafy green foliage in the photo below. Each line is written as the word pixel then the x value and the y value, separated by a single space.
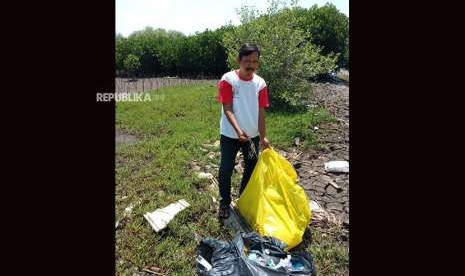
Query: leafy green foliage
pixel 328 28
pixel 131 63
pixel 288 60
pixel 169 53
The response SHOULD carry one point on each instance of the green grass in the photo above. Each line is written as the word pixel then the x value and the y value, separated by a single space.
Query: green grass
pixel 330 253
pixel 283 127
pixel 155 171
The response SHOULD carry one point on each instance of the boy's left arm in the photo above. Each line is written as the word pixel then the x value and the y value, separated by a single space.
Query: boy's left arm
pixel 262 128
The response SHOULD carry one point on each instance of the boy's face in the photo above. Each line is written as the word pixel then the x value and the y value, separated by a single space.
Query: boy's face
pixel 249 64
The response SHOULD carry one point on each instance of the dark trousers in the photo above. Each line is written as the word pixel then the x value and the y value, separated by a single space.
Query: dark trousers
pixel 229 148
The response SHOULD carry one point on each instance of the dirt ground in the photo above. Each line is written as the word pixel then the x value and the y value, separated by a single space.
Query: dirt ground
pixel 334 141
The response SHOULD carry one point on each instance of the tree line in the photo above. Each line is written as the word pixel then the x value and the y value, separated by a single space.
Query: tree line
pixel 157 52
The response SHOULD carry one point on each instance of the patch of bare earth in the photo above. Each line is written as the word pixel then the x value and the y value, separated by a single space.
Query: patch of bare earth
pixel 330 190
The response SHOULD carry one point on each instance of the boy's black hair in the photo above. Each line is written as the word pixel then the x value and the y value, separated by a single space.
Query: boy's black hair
pixel 248 48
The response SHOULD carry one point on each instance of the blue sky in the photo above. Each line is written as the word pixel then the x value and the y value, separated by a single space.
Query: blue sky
pixel 191 16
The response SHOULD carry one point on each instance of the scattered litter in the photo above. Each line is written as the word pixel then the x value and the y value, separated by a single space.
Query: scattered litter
pixel 216 144
pixel 315 206
pixel 297 141
pixel 252 256
pixel 159 218
pixel 211 155
pixel 337 187
pixel 239 168
pixel 128 209
pixel 212 187
pixel 284 262
pixel 315 128
pixel 213 199
pixel 337 166
pixel 153 270
pixel 321 216
pixel 116 224
pixel 200 260
pixel 246 255
pixel 214 182
pixel 326 218
pixel 204 175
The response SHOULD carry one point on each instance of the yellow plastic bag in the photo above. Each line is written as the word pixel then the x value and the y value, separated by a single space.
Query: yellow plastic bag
pixel 273 203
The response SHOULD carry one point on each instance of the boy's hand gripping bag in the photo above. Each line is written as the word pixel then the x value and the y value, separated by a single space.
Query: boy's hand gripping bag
pixel 273 203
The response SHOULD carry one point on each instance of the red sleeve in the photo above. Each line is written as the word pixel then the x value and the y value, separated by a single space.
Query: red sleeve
pixel 263 98
pixel 225 94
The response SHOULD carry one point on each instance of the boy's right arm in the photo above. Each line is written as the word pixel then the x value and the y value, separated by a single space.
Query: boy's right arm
pixel 227 108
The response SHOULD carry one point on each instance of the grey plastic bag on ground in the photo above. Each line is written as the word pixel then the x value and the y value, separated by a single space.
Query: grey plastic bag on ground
pixel 230 259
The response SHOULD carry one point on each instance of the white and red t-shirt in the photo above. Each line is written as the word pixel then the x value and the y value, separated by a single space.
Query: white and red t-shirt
pixel 246 96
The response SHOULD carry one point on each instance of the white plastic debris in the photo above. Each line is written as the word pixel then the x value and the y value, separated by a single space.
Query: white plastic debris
pixel 315 207
pixel 239 168
pixel 159 218
pixel 128 209
pixel 284 262
pixel 211 155
pixel 204 263
pixel 315 128
pixel 204 175
pixel 337 166
pixel 320 215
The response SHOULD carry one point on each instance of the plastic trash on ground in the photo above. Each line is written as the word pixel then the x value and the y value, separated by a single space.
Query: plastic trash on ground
pixel 204 175
pixel 315 206
pixel 273 203
pixel 201 261
pixel 160 217
pixel 337 166
pixel 253 255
